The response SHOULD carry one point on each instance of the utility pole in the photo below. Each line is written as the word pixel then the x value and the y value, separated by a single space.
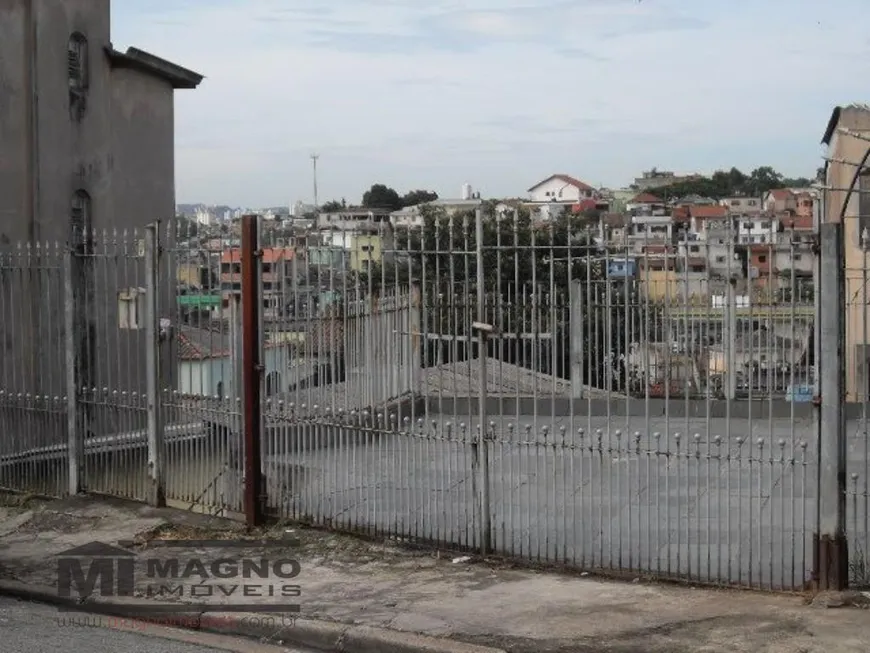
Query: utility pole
pixel 314 158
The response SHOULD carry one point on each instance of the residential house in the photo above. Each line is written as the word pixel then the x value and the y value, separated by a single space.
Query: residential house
pixel 562 189
pixel 352 219
pixel 412 216
pixel 209 363
pixel 846 137
pixel 645 203
pixel 87 142
pixel 712 232
pixel 742 205
pixel 780 200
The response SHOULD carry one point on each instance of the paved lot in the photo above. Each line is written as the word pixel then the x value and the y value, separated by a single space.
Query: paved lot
pixel 703 499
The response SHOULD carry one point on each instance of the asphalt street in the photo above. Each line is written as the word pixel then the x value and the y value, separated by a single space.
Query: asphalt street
pixel 34 628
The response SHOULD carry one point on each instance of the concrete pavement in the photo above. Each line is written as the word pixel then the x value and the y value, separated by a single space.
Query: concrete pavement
pixel 28 627
pixel 353 588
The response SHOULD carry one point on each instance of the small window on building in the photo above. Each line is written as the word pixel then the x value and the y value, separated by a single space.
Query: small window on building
pixel 797 257
pixel 762 258
pixel 77 73
pixel 765 225
pixel 747 225
pixel 80 221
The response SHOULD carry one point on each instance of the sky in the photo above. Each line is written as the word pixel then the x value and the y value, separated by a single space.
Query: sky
pixel 496 93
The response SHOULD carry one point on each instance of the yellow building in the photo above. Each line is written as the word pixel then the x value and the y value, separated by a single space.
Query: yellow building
pixel 365 250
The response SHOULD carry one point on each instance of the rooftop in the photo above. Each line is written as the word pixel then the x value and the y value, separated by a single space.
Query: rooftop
pixel 567 179
pixel 150 64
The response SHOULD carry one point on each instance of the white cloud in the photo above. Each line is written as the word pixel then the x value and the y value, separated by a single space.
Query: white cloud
pixel 429 94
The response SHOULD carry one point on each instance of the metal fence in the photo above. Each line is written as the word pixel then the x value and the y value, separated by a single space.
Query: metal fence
pixel 552 391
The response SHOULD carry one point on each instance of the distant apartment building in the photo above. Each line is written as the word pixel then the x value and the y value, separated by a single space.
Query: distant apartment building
pixel 277 277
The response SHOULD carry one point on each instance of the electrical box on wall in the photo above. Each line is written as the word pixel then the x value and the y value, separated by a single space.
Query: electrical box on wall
pixel 131 308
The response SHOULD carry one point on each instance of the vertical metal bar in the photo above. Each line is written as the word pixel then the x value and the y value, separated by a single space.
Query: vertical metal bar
pixel 832 550
pixel 156 489
pixel 74 439
pixel 252 370
pixel 485 521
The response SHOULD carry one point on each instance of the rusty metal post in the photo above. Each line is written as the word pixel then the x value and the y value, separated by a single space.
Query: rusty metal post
pixel 252 371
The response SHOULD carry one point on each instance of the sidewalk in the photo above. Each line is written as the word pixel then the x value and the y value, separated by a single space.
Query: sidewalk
pixel 350 588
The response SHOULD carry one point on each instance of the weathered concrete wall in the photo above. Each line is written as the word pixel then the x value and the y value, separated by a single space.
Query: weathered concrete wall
pixel 121 153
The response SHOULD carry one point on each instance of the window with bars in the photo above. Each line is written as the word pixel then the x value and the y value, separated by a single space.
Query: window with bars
pixel 77 73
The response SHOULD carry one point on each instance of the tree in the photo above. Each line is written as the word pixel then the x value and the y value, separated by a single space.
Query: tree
pixel 331 207
pixel 528 274
pixel 732 183
pixel 415 197
pixel 380 196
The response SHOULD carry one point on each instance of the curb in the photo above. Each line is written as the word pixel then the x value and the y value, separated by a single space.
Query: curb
pixel 324 636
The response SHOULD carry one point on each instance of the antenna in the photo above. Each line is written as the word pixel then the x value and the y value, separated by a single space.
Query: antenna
pixel 314 158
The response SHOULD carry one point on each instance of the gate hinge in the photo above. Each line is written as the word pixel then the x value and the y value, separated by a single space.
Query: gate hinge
pixel 815 244
pixel 817 400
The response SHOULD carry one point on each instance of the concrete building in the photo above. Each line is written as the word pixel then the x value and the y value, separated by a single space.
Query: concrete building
pixel 352 219
pixel 742 205
pixel 846 139
pixel 86 131
pixel 87 141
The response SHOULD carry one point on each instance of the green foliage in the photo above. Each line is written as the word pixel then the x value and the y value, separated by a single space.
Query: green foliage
pixel 528 272
pixel 333 206
pixel 415 197
pixel 732 183
pixel 380 196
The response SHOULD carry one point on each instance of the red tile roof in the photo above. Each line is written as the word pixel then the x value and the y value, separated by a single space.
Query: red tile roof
pixel 270 255
pixel 781 194
pixel 798 223
pixel 584 205
pixel 568 179
pixel 645 198
pixel 708 212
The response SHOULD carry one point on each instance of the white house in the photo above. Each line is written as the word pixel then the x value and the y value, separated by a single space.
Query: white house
pixel 561 189
pixel 756 229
